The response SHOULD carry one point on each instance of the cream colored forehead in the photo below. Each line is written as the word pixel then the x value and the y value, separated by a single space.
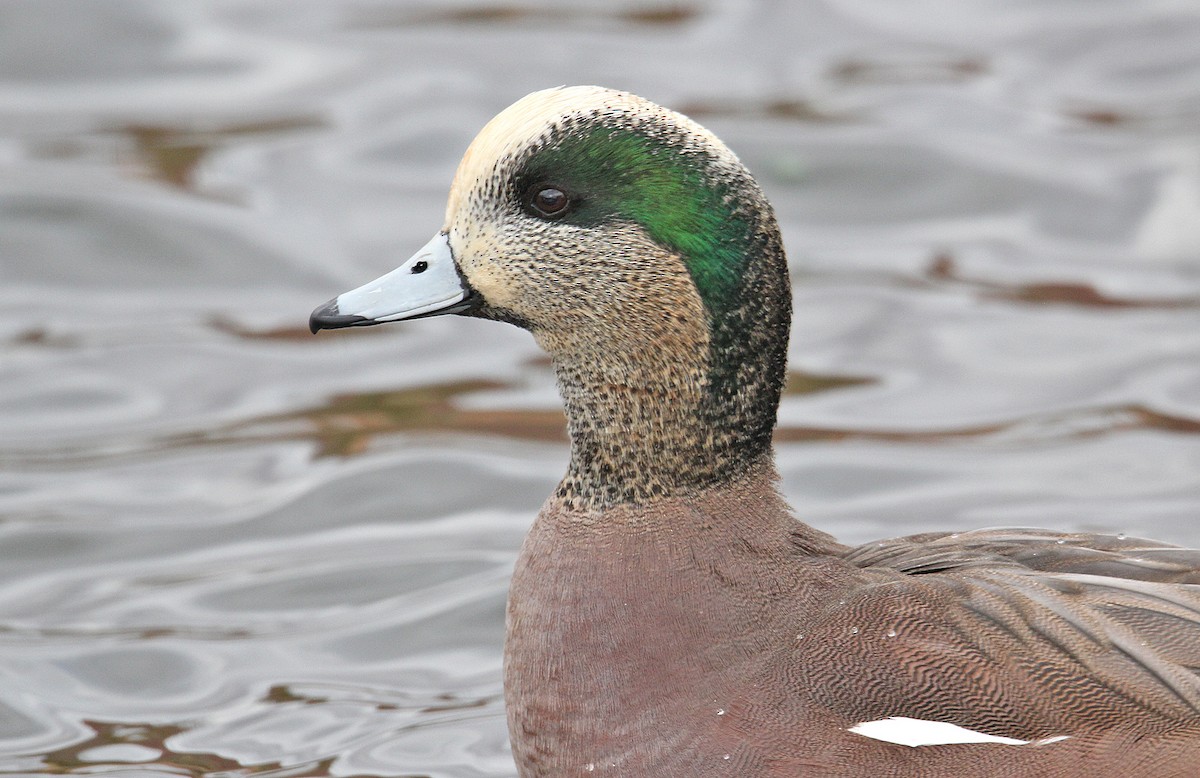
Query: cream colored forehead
pixel 528 119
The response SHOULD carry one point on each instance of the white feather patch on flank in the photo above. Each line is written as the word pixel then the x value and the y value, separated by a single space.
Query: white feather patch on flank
pixel 905 731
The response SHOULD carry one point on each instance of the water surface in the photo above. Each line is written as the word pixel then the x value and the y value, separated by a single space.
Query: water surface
pixel 229 547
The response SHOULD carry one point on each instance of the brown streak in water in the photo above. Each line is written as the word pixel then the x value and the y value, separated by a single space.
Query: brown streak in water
pixel 444 702
pixel 795 109
pixel 138 633
pixel 1102 117
pixel 829 435
pixel 68 761
pixel 347 432
pixel 1148 419
pixel 670 14
pixel 454 704
pixel 348 423
pixel 799 382
pixel 667 15
pixel 864 71
pixel 43 338
pixel 172 154
pixel 1115 419
pixel 944 268
pixel 281 693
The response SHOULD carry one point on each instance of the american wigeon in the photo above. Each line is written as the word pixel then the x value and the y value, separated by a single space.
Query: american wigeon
pixel 668 615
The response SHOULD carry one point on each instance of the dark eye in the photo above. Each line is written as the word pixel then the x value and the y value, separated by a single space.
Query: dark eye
pixel 548 202
pixel 420 266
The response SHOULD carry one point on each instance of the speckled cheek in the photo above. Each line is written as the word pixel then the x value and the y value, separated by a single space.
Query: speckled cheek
pixel 479 251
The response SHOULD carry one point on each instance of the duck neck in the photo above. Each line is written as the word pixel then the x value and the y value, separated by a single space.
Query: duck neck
pixel 679 402
pixel 638 437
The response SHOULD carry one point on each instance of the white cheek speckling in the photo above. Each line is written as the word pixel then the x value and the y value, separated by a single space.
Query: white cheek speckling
pixel 905 731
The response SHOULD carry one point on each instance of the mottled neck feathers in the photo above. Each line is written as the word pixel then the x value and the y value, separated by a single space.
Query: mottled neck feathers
pixel 696 203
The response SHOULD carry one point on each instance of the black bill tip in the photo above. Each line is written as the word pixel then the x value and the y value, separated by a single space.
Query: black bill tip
pixel 327 317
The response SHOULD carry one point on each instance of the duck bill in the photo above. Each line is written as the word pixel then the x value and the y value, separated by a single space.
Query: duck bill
pixel 428 284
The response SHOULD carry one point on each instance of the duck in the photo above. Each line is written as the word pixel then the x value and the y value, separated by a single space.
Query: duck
pixel 668 614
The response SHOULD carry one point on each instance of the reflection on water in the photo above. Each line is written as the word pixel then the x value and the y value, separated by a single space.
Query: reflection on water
pixel 228 547
pixel 346 424
pixel 1054 292
pixel 172 154
pixel 669 14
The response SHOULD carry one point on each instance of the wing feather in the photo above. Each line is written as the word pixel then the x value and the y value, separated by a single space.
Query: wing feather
pixel 1097 624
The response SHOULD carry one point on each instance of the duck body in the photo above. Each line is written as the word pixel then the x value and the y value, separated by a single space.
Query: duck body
pixel 668 615
pixel 630 652
pixel 617 629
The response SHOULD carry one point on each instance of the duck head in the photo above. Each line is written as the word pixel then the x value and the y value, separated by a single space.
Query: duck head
pixel 643 257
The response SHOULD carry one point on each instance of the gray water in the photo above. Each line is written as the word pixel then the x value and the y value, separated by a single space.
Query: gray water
pixel 228 547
